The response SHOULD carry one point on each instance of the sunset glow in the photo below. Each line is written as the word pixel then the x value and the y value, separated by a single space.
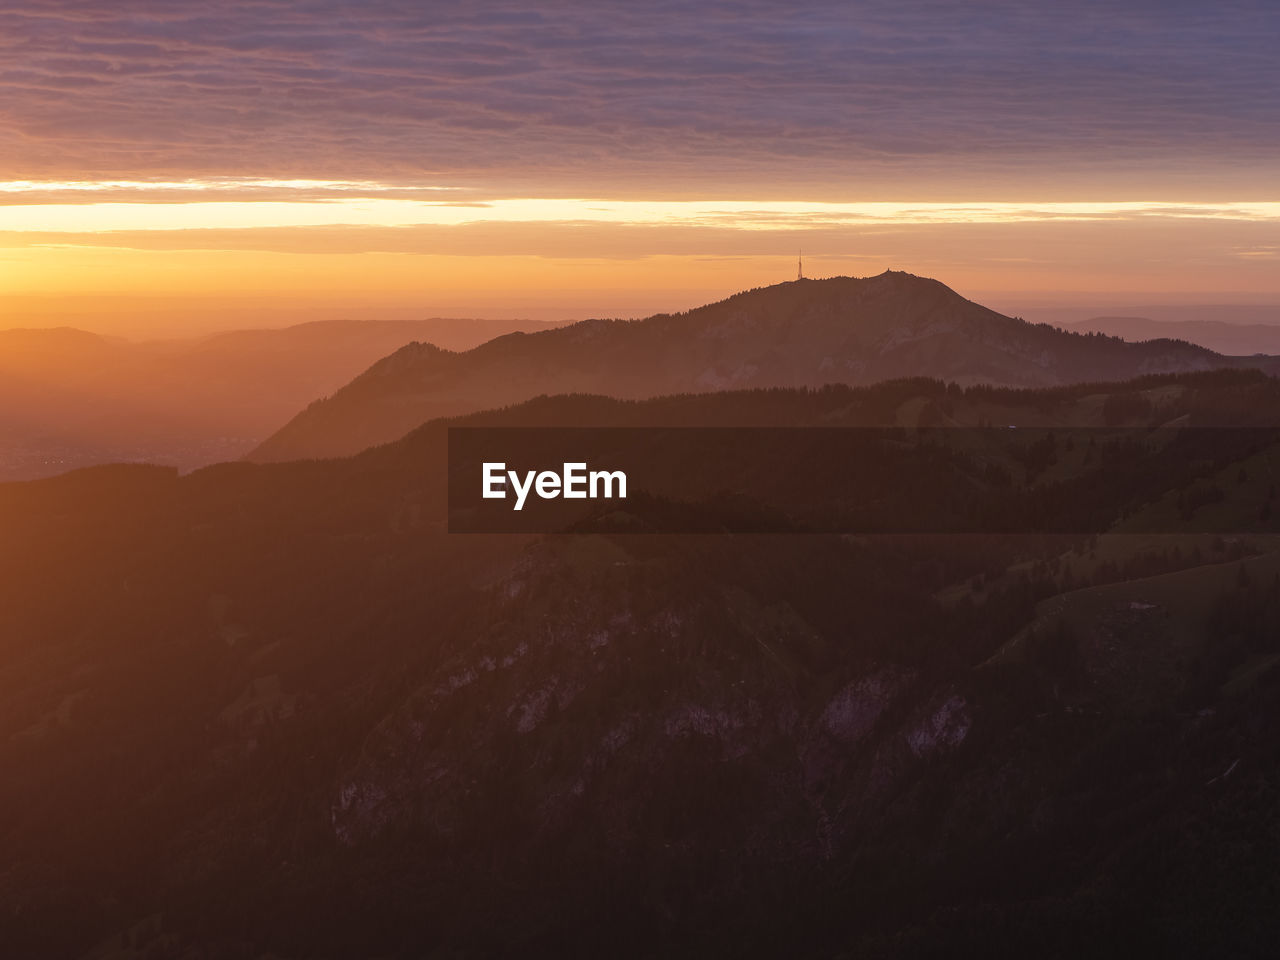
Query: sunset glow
pixel 598 478
pixel 645 160
pixel 372 210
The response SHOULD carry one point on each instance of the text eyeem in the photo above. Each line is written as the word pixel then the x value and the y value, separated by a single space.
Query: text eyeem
pixel 573 482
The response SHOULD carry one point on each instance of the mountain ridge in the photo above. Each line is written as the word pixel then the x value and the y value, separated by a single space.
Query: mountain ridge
pixel 803 333
pixel 1222 336
pixel 70 397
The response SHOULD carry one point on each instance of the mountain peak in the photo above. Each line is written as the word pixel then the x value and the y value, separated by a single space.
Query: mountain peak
pixel 845 291
pixel 800 333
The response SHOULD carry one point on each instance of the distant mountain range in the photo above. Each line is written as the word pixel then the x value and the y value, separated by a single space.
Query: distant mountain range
pixel 804 333
pixel 1082 314
pixel 1239 339
pixel 70 398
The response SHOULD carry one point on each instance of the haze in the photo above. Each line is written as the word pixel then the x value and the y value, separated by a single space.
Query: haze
pixel 941 614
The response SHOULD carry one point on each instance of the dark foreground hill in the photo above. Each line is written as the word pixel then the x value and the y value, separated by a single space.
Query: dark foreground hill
pixel 801 334
pixel 272 710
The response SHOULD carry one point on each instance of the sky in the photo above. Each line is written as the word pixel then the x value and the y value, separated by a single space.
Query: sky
pixel 170 167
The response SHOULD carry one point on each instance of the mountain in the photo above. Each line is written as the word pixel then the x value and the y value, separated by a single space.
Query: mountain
pixel 1077 316
pixel 71 398
pixel 804 333
pixel 1219 335
pixel 275 710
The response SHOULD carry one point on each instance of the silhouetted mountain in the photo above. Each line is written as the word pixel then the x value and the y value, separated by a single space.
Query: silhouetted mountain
pixel 70 398
pixel 275 710
pixel 805 333
pixel 1227 338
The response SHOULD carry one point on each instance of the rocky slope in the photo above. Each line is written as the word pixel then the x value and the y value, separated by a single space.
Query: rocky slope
pixel 273 710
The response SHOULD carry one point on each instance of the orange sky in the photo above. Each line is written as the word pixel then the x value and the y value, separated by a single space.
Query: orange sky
pixel 167 169
pixel 135 265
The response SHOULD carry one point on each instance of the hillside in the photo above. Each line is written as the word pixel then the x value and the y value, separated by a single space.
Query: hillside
pixel 805 333
pixel 287 715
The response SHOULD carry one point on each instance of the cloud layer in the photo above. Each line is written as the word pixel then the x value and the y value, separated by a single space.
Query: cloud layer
pixel 663 97
pixel 372 210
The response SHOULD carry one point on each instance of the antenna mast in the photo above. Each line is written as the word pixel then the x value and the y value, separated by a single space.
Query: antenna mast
pixel 800 265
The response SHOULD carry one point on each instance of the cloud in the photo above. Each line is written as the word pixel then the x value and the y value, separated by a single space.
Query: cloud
pixel 267 204
pixel 1090 243
pixel 662 94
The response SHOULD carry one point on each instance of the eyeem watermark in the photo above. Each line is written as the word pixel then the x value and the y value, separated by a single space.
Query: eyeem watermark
pixel 863 480
pixel 573 482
